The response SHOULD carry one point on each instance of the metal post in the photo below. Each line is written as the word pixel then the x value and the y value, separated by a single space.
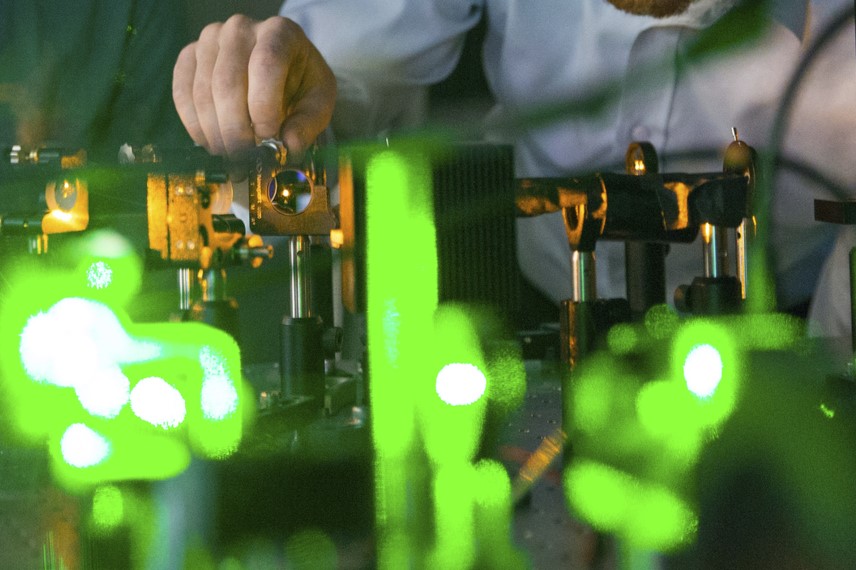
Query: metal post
pixel 853 299
pixel 583 276
pixel 185 287
pixel 715 248
pixel 298 256
pixel 212 283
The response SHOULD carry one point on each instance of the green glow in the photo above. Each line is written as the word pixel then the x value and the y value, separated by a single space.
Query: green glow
pixel 196 556
pixel 828 412
pixel 400 241
pixel 83 447
pixel 217 414
pixel 230 564
pixel 460 384
pixel 600 494
pixel 451 433
pixel 401 298
pixel 670 416
pixel 219 395
pixel 79 358
pixel 394 504
pixel 493 514
pixel 453 518
pixel 394 550
pixel 103 392
pixel 99 275
pixel 595 394
pixel 661 321
pixel 154 401
pixel 107 266
pixel 773 331
pixel 311 550
pixel 506 374
pixel 712 374
pixel 622 338
pixel 428 385
pixel 703 370
pixel 129 456
pixel 659 520
pixel 646 516
pixel 108 507
pixel 493 488
pixel 73 339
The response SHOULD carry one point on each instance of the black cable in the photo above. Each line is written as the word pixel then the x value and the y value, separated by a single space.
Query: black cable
pixel 761 297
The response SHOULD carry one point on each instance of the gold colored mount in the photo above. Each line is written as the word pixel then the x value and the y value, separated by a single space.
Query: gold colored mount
pixel 180 222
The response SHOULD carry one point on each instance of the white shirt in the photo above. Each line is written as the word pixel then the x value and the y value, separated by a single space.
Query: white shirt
pixel 541 51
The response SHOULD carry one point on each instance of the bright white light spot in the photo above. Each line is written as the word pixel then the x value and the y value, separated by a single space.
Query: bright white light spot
pixel 83 447
pixel 703 370
pixel 211 362
pixel 52 351
pixel 37 333
pixel 460 384
pixel 219 398
pixel 103 392
pixel 99 275
pixel 62 216
pixel 155 401
pixel 219 395
pixel 75 341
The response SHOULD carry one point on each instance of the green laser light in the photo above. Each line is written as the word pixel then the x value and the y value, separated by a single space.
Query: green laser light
pixel 219 395
pixel 460 384
pixel 703 370
pixel 154 401
pixel 108 508
pixel 99 275
pixel 83 447
pixel 102 392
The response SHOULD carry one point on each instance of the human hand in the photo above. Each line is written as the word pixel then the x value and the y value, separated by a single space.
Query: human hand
pixel 244 81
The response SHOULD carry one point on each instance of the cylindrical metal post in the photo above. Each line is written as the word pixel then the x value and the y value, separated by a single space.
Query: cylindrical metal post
pixel 715 248
pixel 299 274
pixel 302 354
pixel 212 283
pixel 645 272
pixel 185 286
pixel 745 234
pixel 583 276
pixel 215 308
pixel 302 359
pixel 853 298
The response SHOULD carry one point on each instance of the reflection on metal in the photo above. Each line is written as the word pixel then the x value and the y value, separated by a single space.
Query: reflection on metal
pixel 537 464
pixel 185 288
pixel 299 274
pixel 583 276
pixel 715 249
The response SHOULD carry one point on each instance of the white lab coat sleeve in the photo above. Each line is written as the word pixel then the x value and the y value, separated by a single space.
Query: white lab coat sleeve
pixel 384 54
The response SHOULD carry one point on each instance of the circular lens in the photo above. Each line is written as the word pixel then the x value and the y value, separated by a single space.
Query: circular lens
pixel 290 191
pixel 65 193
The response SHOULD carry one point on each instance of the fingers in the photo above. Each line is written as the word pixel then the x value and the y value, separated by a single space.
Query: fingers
pixel 292 91
pixel 229 85
pixel 310 108
pixel 269 69
pixel 309 116
pixel 182 93
pixel 207 51
pixel 244 81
